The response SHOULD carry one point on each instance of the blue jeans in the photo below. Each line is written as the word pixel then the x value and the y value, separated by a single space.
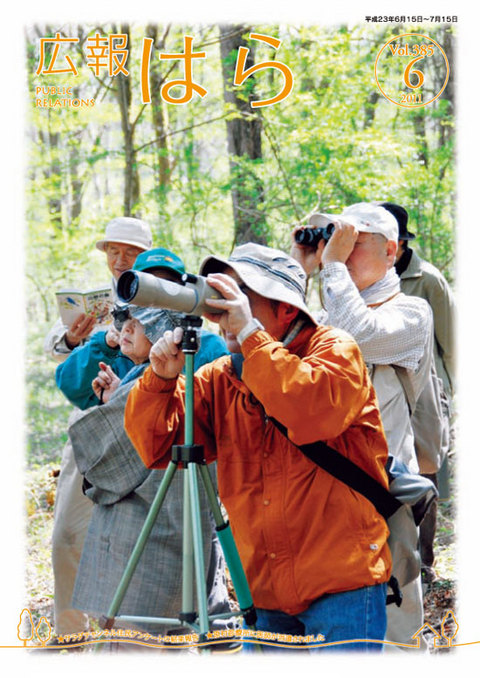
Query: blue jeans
pixel 346 616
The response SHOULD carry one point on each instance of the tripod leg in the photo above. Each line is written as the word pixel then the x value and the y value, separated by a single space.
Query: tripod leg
pixel 191 456
pixel 230 552
pixel 187 613
pixel 198 549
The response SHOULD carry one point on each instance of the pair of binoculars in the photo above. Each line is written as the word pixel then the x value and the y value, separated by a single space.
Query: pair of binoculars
pixel 310 237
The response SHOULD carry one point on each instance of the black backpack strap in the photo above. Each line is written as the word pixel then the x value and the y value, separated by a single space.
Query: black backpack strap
pixel 396 595
pixel 349 473
pixel 337 465
pixel 237 363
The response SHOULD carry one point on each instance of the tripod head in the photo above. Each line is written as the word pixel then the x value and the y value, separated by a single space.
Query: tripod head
pixel 191 324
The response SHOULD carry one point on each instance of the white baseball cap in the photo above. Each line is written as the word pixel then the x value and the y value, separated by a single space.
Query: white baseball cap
pixel 127 231
pixel 366 217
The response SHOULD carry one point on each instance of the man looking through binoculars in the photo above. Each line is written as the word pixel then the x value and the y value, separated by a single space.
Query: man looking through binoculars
pixel 360 293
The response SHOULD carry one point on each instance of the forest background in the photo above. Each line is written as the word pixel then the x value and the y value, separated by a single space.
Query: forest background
pixel 212 173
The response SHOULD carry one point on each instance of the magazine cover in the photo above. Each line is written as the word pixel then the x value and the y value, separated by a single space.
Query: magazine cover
pixel 316 165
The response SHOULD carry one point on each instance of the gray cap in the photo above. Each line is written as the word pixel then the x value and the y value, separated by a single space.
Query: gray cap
pixel 267 271
pixel 155 321
pixel 127 231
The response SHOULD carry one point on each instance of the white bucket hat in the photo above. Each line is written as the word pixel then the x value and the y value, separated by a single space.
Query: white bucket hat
pixel 365 216
pixel 127 231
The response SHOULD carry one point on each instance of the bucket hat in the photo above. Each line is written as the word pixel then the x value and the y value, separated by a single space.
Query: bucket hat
pixel 267 271
pixel 127 231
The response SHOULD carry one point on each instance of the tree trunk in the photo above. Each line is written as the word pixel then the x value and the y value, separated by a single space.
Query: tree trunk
pixel 53 172
pixel 244 142
pixel 159 115
pixel 76 181
pixel 446 131
pixel 418 119
pixel 76 187
pixel 370 108
pixel 131 191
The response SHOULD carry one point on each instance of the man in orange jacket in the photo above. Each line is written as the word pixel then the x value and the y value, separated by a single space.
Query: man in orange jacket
pixel 314 551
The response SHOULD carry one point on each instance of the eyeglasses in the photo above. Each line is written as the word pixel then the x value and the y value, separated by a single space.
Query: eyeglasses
pixel 120 315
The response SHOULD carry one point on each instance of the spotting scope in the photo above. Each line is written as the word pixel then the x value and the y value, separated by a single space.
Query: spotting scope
pixel 187 296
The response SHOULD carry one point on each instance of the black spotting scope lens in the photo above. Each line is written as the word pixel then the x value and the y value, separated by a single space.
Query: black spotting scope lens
pixel 127 286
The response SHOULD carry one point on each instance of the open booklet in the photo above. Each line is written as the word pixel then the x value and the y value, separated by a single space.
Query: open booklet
pixel 97 302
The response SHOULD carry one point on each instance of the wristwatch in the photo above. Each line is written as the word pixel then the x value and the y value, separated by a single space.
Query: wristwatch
pixel 252 326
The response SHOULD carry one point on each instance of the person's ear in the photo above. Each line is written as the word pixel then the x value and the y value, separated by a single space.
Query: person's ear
pixel 391 252
pixel 287 313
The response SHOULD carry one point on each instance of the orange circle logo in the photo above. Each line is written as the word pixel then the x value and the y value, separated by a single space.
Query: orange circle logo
pixel 411 70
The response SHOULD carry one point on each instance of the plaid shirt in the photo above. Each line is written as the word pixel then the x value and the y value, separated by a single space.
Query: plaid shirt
pixel 396 331
pixel 393 333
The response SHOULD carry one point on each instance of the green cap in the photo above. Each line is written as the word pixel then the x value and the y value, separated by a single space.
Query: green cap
pixel 159 258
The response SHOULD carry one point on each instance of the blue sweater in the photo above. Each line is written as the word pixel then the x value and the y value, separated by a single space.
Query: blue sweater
pixel 75 375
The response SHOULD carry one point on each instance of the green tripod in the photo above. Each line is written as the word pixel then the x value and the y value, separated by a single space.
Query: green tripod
pixel 191 457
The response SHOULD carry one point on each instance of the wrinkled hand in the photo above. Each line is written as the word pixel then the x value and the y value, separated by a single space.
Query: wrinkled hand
pixel 309 258
pixel 166 356
pixel 112 337
pixel 105 383
pixel 234 304
pixel 80 329
pixel 341 244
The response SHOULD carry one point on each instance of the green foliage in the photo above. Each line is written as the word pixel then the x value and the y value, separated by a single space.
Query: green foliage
pixel 333 141
pixel 47 409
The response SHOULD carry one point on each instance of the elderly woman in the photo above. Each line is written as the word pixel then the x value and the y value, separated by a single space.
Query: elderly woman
pixel 139 327
pixel 122 350
pixel 122 488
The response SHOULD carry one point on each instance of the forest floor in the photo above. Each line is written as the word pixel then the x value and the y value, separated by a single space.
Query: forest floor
pixel 440 595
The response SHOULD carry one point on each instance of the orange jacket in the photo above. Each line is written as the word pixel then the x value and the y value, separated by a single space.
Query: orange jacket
pixel 299 532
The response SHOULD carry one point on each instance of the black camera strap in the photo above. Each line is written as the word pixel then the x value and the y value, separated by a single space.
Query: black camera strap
pixel 338 465
pixel 347 472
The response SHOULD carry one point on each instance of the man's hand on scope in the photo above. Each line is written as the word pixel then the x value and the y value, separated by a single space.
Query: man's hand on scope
pixel 234 304
pixel 166 355
pixel 112 337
